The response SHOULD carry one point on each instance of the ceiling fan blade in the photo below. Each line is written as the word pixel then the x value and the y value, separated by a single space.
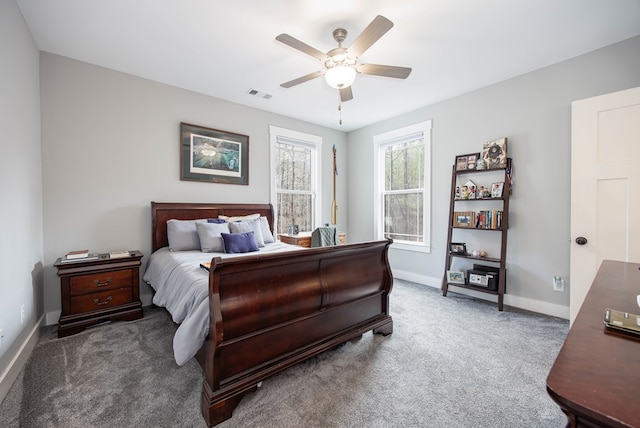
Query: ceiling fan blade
pixel 385 70
pixel 302 79
pixel 376 29
pixel 302 47
pixel 346 94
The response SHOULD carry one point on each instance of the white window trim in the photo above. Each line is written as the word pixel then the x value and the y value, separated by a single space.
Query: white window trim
pixel 382 140
pixel 316 174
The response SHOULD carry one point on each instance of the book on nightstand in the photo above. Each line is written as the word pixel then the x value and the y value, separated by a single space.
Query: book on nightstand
pixel 78 254
pixel 118 254
pixel 88 257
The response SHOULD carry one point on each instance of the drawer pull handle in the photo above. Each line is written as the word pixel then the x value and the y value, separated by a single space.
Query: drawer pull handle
pixel 99 303
pixel 102 284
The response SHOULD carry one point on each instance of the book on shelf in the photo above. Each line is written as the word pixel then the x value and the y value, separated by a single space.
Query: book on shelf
pixel 90 256
pixel 491 219
pixel 118 254
pixel 77 254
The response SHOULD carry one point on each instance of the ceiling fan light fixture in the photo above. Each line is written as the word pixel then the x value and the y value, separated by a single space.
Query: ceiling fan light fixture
pixel 340 76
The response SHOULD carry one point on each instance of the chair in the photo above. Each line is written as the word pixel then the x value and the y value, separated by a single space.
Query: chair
pixel 324 236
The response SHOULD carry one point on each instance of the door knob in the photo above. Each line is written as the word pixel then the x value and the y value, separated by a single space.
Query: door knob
pixel 581 240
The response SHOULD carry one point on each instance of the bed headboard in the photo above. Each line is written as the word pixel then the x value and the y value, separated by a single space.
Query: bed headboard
pixel 163 211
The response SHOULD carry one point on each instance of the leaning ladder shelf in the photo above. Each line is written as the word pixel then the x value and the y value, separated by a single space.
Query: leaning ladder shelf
pixel 498 262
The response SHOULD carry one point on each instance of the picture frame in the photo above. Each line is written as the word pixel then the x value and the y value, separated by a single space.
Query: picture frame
pixel 472 159
pixel 459 248
pixel 467 162
pixel 463 219
pixel 455 277
pixel 497 189
pixel 461 163
pixel 494 153
pixel 213 156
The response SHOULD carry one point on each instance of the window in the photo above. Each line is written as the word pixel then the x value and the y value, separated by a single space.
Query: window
pixel 295 174
pixel 402 186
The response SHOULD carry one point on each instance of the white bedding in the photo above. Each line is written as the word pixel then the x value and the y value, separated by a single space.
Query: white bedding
pixel 181 286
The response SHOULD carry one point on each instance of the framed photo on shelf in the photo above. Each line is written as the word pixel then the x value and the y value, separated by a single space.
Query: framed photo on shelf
pixel 213 156
pixel 463 219
pixel 494 153
pixel 458 248
pixel 455 277
pixel 467 162
pixel 461 163
pixel 496 190
pixel 472 159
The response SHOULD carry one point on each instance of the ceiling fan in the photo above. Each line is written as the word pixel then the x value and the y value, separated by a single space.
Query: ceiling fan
pixel 341 64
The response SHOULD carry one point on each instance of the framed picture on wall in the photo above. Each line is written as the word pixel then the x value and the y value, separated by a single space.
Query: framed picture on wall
pixel 213 156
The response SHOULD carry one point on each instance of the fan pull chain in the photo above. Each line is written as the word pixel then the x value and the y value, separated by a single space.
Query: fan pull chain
pixel 340 112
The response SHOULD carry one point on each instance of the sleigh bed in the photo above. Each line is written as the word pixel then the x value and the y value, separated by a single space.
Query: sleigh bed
pixel 268 311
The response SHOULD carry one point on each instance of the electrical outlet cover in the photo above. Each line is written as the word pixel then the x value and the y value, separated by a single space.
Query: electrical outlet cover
pixel 558 283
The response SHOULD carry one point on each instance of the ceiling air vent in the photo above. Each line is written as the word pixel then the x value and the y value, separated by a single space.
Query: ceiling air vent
pixel 257 93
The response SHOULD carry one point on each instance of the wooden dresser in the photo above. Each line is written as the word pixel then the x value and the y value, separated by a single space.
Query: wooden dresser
pixel 596 376
pixel 95 291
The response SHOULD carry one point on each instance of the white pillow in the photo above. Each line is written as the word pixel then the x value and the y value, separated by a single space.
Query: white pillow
pixel 240 217
pixel 248 226
pixel 266 232
pixel 183 235
pixel 210 236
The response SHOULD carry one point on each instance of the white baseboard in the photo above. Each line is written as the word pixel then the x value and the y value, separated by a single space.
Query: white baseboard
pixel 19 360
pixel 509 300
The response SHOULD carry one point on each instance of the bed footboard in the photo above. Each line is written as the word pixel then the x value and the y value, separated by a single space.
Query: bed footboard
pixel 270 312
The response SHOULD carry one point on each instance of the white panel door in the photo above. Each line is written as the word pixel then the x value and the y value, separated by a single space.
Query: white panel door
pixel 605 186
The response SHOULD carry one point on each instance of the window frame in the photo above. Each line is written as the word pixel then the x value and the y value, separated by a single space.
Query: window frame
pixel 380 142
pixel 314 142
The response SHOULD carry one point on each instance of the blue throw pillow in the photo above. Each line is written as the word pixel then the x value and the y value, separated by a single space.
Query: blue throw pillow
pixel 239 242
pixel 216 220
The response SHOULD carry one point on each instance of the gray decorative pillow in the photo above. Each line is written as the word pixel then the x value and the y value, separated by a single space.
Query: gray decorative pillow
pixel 249 226
pixel 210 235
pixel 267 236
pixel 183 235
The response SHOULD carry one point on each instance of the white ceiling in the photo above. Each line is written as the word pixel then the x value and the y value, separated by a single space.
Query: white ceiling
pixel 225 48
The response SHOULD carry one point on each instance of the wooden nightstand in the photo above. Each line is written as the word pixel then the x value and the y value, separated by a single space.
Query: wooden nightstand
pixel 302 239
pixel 96 291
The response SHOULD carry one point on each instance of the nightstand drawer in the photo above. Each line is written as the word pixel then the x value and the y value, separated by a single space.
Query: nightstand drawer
pixel 303 239
pixel 100 281
pixel 102 300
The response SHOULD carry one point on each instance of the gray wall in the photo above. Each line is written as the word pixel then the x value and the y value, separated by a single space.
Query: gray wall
pixel 110 145
pixel 20 188
pixel 534 112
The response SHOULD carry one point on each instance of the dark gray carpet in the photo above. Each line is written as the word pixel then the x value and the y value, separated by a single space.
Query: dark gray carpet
pixel 451 362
